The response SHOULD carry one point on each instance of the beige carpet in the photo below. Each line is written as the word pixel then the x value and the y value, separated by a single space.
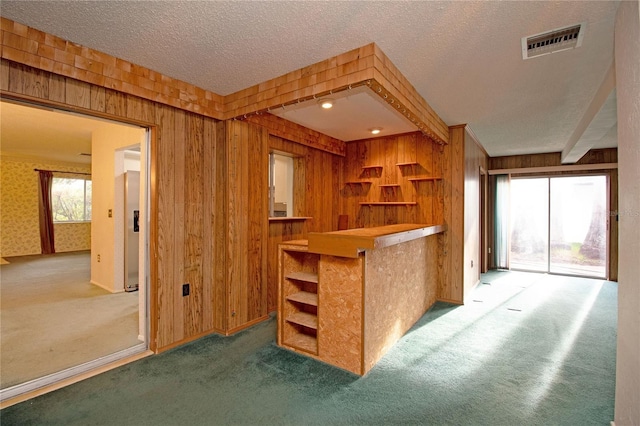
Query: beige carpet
pixel 52 318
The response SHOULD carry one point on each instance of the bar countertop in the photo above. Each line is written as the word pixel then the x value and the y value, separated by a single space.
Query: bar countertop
pixel 351 242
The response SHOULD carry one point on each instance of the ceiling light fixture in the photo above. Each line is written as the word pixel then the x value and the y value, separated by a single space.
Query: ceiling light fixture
pixel 376 130
pixel 326 103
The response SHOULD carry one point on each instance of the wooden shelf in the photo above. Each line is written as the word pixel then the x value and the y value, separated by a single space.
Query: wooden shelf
pixel 306 342
pixel 371 167
pixel 389 203
pixel 358 182
pixel 424 178
pixel 304 297
pixel 389 185
pixel 304 319
pixel 410 163
pixel 282 219
pixel 303 276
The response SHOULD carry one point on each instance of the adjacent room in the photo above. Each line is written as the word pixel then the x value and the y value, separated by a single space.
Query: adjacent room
pixel 351 212
pixel 60 310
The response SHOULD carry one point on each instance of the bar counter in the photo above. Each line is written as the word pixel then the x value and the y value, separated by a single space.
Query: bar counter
pixel 346 297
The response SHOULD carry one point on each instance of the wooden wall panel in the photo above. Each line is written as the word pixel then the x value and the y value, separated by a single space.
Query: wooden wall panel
pixel 247 163
pixel 388 152
pixel 181 196
pixel 316 194
pixel 459 246
pixel 475 158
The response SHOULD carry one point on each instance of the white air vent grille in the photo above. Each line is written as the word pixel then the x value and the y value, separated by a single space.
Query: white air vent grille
pixel 552 41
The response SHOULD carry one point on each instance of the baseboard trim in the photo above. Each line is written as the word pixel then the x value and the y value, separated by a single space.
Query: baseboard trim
pixel 33 388
pixel 246 325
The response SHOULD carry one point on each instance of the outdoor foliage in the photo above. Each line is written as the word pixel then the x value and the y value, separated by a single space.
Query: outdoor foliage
pixel 71 200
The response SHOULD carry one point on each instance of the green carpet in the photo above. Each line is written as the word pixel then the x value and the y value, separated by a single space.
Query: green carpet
pixel 529 350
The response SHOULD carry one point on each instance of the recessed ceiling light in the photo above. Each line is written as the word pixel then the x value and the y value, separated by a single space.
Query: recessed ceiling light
pixel 376 130
pixel 326 103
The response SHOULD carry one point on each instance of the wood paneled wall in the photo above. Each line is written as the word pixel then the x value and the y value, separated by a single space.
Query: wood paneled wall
pixel 247 215
pixel 460 244
pixel 594 156
pixel 475 160
pixel 316 194
pixel 388 152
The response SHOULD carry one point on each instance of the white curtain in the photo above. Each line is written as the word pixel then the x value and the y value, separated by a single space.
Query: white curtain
pixel 501 251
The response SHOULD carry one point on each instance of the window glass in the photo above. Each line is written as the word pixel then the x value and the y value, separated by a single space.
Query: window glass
pixel 280 185
pixel 71 200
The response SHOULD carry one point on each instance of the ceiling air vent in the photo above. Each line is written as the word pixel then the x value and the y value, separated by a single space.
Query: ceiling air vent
pixel 552 41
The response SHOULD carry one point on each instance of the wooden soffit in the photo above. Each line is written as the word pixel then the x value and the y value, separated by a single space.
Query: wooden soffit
pixel 364 66
pixel 367 65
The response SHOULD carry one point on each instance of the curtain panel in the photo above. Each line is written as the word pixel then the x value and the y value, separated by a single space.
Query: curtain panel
pixel 45 212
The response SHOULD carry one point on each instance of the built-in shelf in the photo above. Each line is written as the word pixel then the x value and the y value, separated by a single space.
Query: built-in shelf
pixel 304 297
pixel 306 342
pixel 388 203
pixel 303 276
pixel 358 182
pixel 282 219
pixel 424 178
pixel 369 171
pixel 304 319
pixel 389 185
pixel 410 163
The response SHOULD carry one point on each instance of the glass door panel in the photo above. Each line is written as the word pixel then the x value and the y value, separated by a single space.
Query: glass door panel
pixel 578 225
pixel 529 248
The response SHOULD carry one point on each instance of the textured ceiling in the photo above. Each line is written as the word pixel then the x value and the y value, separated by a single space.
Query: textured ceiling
pixel 463 57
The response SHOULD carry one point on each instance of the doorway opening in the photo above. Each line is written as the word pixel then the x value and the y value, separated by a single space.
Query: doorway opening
pixel 560 225
pixel 67 313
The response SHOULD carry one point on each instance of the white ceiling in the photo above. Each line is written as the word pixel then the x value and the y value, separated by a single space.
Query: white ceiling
pixel 463 57
pixel 43 133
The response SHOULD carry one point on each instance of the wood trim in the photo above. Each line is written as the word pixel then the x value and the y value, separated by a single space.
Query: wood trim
pixel 246 325
pixel 552 169
pixel 71 380
pixel 291 131
pixel 475 139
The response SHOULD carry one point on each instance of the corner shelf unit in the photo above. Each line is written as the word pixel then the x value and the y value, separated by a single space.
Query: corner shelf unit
pixel 299 299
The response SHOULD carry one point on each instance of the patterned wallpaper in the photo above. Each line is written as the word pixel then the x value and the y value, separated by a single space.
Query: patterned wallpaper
pixel 19 228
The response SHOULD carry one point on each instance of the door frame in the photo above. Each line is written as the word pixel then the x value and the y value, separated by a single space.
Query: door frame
pixel 39 386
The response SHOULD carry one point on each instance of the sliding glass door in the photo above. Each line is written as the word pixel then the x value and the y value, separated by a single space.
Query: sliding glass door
pixel 578 225
pixel 529 249
pixel 559 225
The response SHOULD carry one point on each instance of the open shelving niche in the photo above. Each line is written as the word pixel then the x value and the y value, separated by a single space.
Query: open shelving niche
pixel 300 297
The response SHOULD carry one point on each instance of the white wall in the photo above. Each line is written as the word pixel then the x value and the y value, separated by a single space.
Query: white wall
pixel 106 240
pixel 627 61
pixel 283 178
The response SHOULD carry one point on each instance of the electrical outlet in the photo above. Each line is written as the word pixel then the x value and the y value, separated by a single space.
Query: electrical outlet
pixel 98 258
pixel 110 213
pixel 185 289
pixel 472 263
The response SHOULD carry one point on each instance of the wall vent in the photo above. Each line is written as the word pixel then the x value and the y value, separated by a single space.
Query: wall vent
pixel 552 41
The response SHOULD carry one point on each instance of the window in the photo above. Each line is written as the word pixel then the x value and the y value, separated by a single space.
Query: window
pixel 71 200
pixel 280 185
